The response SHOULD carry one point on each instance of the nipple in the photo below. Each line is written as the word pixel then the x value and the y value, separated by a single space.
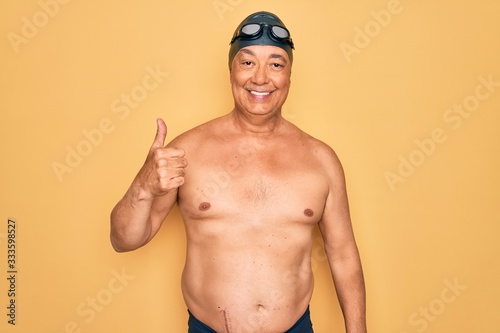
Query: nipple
pixel 308 212
pixel 204 206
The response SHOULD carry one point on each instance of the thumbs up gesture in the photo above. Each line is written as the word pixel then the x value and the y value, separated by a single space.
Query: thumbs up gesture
pixel 163 170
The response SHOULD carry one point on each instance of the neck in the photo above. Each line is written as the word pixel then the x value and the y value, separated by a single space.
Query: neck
pixel 257 124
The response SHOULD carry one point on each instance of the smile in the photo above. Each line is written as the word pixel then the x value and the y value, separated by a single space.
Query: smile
pixel 260 93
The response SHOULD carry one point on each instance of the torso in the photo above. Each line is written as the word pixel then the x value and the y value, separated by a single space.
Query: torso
pixel 250 204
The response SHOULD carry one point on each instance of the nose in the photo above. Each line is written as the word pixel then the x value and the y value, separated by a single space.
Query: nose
pixel 260 76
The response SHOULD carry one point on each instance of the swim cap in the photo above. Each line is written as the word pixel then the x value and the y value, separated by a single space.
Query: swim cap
pixel 261 28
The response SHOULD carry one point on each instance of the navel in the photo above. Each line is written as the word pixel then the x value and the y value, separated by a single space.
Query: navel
pixel 204 206
pixel 308 212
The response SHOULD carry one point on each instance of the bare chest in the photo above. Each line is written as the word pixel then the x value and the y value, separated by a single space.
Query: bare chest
pixel 253 184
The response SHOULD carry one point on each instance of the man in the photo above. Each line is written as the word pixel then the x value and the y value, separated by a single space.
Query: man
pixel 251 195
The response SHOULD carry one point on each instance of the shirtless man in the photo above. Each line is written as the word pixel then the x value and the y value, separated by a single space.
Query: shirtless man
pixel 255 188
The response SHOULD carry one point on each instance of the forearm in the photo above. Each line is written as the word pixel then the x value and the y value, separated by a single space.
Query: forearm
pixel 350 286
pixel 131 224
pixel 137 217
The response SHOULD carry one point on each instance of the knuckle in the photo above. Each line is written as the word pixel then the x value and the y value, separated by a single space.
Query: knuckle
pixel 154 151
pixel 161 163
pixel 159 153
pixel 162 175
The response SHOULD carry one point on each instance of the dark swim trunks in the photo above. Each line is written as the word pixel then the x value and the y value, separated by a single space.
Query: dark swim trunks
pixel 303 325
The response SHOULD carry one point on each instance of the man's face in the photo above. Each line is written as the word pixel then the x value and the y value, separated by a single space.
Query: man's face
pixel 260 79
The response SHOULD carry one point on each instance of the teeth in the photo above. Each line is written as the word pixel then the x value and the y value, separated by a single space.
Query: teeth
pixel 258 93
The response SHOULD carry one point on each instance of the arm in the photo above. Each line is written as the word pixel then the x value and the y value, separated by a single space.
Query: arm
pixel 138 216
pixel 342 252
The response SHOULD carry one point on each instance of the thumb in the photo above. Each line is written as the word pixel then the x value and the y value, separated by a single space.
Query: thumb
pixel 161 134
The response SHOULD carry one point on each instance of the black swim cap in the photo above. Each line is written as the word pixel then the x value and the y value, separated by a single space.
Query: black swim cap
pixel 261 28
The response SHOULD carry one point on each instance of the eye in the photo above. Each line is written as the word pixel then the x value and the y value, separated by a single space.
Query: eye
pixel 247 63
pixel 277 65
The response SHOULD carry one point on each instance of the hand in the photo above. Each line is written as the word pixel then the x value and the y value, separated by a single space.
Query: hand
pixel 163 170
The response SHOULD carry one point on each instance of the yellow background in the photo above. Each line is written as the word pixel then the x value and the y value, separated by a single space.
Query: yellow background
pixel 437 226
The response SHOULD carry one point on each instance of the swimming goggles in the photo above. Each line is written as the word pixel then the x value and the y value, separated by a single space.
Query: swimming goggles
pixel 255 30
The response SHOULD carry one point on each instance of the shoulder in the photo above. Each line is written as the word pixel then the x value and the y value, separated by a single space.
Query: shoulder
pixel 326 156
pixel 197 135
pixel 319 149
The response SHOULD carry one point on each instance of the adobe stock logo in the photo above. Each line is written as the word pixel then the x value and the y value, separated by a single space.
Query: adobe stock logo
pixel 454 116
pixel 429 313
pixel 96 303
pixel 372 28
pixel 31 27
pixel 223 6
pixel 121 107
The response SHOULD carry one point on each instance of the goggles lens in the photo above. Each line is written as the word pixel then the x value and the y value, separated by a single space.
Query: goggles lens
pixel 250 29
pixel 280 32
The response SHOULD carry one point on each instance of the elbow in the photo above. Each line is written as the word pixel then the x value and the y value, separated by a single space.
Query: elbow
pixel 119 249
pixel 124 238
pixel 121 246
pixel 117 246
pixel 119 241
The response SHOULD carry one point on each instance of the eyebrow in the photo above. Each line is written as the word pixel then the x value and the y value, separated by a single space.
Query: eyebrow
pixel 277 56
pixel 272 56
pixel 247 51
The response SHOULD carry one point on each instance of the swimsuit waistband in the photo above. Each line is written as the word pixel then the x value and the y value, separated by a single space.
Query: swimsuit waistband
pixel 303 325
